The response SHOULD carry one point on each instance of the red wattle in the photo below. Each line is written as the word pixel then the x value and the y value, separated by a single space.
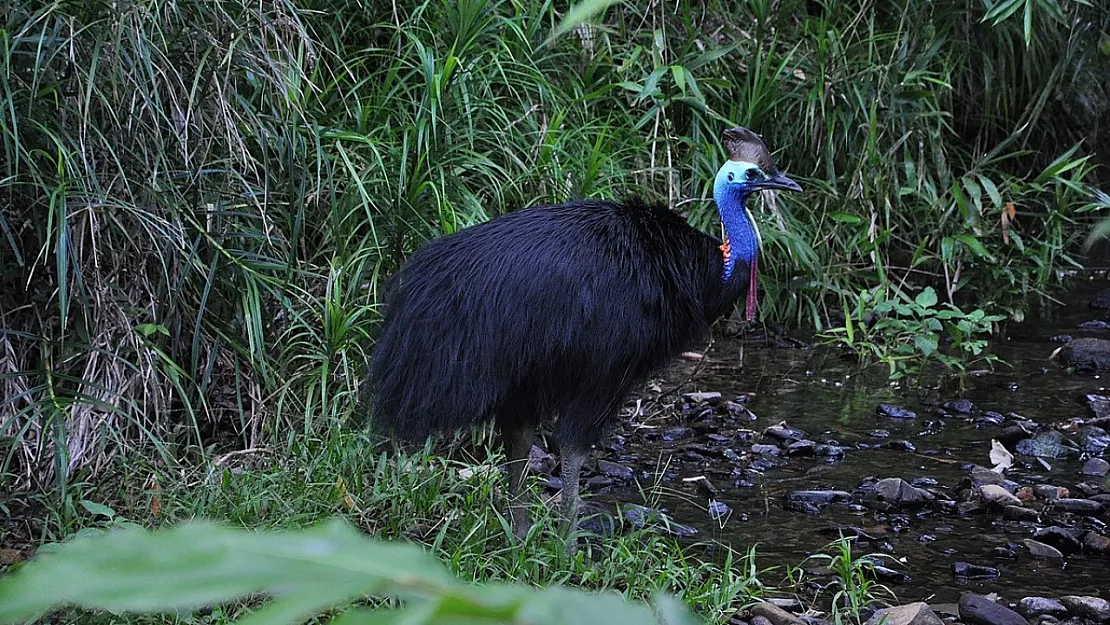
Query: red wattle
pixel 753 297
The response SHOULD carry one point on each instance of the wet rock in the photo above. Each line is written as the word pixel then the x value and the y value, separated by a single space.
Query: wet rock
pixel 1099 405
pixel 702 398
pixel 900 445
pixel 598 482
pixel 1032 607
pixel 996 495
pixel 983 475
pixel 785 433
pixel 819 497
pixel 959 406
pixel 1020 513
pixel 1091 608
pixel 718 510
pixel 614 470
pixel 911 614
pixel 1094 324
pixel 828 450
pixel 539 461
pixel 1047 444
pixel 974 571
pixel 1059 537
pixel 642 517
pixel 1101 300
pixel 1085 354
pixel 1005 551
pixel 1093 440
pixel 895 412
pixel 802 448
pixel 677 434
pixel 768 450
pixel 1096 467
pixel 775 614
pixel 1097 543
pixel 789 604
pixel 756 620
pixel 895 490
pixel 1078 506
pixel 1040 550
pixel 1011 435
pixel 979 610
pixel 1048 492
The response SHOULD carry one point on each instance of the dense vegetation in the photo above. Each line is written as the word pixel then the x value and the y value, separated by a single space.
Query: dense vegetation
pixel 201 200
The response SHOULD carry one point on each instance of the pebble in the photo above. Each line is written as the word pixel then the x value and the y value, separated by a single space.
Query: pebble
pixel 677 433
pixel 769 450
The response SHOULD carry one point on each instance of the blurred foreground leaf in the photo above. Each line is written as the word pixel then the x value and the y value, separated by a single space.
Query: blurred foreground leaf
pixel 304 572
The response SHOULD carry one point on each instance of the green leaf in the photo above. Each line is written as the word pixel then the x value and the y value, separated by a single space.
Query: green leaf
pixel 98 509
pixel 579 14
pixel 926 344
pixel 926 298
pixel 304 572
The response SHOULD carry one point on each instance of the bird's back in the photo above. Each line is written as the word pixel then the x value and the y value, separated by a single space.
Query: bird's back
pixel 542 307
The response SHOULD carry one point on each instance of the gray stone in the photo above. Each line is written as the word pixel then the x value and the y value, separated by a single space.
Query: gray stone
pixel 1019 513
pixel 979 610
pixel 1087 354
pixel 1048 492
pixel 996 495
pixel 1093 541
pixel 897 491
pixel 612 469
pixel 911 614
pixel 1092 608
pixel 1096 467
pixel 775 614
pixel 1078 506
pixel 1041 550
pixel 1033 607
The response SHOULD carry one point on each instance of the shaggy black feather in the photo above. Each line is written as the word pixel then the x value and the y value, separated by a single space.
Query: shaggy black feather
pixel 552 310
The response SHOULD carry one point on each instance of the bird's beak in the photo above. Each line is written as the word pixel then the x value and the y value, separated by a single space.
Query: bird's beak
pixel 779 181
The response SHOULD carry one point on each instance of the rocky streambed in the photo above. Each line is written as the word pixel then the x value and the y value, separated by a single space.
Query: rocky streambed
pixel 958 497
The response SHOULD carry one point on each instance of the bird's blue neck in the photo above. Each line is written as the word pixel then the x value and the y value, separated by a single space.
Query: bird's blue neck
pixel 741 240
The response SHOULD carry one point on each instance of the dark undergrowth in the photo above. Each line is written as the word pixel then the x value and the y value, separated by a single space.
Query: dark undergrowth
pixel 202 200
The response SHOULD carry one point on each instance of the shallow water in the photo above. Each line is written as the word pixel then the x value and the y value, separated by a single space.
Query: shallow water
pixel 825 395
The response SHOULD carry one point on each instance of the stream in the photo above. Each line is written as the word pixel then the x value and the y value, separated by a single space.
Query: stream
pixel 828 397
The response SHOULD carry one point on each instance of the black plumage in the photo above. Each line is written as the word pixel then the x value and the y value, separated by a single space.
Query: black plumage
pixel 547 312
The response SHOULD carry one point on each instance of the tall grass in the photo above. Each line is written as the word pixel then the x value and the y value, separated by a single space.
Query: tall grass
pixel 202 199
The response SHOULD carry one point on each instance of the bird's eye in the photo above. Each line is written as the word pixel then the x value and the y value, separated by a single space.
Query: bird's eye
pixel 731 177
pixel 751 174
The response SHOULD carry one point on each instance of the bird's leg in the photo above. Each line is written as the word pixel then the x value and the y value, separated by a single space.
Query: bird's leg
pixel 518 443
pixel 572 460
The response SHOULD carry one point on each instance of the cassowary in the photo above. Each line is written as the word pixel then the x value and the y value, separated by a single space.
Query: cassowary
pixel 559 312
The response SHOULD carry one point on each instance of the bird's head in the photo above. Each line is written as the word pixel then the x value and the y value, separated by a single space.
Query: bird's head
pixel 749 168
